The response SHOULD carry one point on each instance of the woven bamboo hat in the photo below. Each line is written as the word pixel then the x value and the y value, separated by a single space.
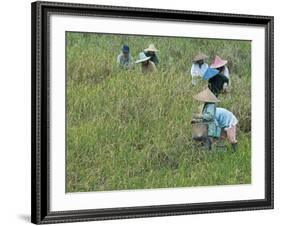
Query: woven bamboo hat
pixel 218 62
pixel 151 48
pixel 199 56
pixel 206 96
pixel 142 58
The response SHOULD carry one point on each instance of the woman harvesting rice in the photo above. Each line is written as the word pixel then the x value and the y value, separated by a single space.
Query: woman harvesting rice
pixel 217 82
pixel 147 66
pixel 198 67
pixel 151 52
pixel 217 119
pixel 124 59
pixel 207 115
pixel 227 122
pixel 220 65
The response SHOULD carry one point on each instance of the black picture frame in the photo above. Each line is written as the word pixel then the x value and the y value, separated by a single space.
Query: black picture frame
pixel 40 211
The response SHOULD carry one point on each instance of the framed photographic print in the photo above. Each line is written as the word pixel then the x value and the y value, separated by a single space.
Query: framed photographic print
pixel 142 112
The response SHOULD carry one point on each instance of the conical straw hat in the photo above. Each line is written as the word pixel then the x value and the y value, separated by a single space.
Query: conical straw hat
pixel 218 62
pixel 142 58
pixel 151 48
pixel 206 96
pixel 210 73
pixel 200 56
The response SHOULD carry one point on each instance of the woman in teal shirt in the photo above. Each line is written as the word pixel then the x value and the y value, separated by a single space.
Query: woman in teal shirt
pixel 208 114
pixel 218 119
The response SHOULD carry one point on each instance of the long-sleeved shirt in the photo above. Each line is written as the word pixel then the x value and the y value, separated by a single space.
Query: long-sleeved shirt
pixel 197 71
pixel 124 62
pixel 225 119
pixel 226 72
pixel 208 115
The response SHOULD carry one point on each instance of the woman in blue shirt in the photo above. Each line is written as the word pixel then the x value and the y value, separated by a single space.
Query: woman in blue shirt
pixel 218 119
pixel 227 121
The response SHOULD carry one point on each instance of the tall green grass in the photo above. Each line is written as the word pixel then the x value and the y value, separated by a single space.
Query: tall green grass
pixel 126 130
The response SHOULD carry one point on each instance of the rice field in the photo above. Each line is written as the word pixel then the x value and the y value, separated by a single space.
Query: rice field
pixel 127 130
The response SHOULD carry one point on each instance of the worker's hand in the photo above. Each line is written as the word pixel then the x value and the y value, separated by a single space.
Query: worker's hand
pixel 194 120
pixel 197 116
pixel 226 88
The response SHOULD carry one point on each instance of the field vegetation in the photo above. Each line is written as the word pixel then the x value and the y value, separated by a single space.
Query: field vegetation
pixel 126 130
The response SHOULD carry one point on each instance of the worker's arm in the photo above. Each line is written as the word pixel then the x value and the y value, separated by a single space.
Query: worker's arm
pixel 209 112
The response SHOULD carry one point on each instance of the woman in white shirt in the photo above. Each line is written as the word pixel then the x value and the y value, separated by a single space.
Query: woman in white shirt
pixel 198 67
